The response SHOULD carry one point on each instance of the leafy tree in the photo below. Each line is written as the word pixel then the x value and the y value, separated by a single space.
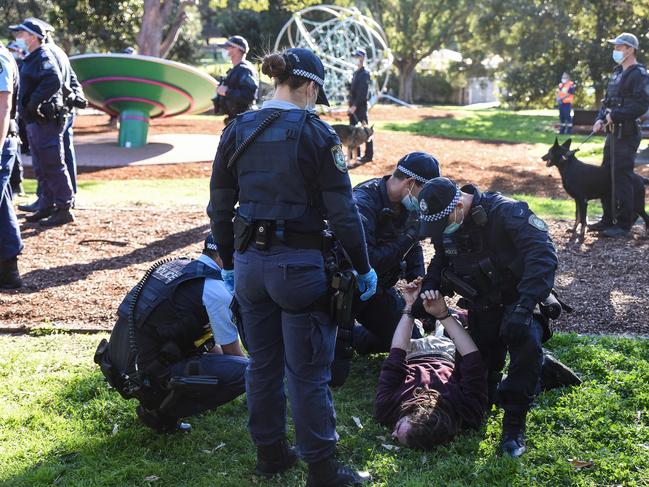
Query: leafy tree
pixel 161 24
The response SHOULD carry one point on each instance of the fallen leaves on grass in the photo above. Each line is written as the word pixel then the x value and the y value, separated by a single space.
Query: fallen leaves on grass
pixel 581 464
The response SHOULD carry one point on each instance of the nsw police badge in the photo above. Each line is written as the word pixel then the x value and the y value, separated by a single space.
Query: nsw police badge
pixel 423 206
pixel 537 223
pixel 339 158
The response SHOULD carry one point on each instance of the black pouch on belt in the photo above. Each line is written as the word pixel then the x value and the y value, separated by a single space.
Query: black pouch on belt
pixel 243 232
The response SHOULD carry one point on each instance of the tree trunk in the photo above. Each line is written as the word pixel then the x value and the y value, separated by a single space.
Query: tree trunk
pixel 406 75
pixel 150 37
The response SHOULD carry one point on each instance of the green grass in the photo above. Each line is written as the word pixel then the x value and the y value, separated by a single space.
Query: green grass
pixel 194 193
pixel 529 127
pixel 58 427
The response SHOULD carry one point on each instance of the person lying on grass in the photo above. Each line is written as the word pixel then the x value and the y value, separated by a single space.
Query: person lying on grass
pixel 430 389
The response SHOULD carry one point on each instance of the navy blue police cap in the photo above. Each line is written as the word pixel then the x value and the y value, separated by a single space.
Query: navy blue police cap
pixel 305 64
pixel 419 165
pixel 210 244
pixel 34 26
pixel 437 200
pixel 236 41
pixel 360 53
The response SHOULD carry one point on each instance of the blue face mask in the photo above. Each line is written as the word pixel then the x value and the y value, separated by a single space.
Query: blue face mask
pixel 453 227
pixel 410 202
pixel 618 56
pixel 21 44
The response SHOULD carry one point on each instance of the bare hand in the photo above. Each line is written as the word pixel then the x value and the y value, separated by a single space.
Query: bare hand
pixel 609 119
pixel 222 90
pixel 598 126
pixel 434 303
pixel 411 290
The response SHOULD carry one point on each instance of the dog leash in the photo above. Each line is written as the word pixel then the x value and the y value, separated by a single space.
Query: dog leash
pixel 579 146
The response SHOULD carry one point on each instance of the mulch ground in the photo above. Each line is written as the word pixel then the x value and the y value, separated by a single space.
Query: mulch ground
pixel 76 276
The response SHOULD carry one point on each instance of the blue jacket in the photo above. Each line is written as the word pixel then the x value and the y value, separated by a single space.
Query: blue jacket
pixel 627 94
pixel 40 81
pixel 242 83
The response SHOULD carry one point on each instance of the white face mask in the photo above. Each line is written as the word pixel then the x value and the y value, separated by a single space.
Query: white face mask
pixel 310 104
pixel 564 79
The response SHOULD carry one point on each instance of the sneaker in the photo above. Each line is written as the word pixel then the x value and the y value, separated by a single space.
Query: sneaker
pixel 555 374
pixel 39 215
pixel 59 217
pixel 275 458
pixel 331 473
pixel 615 232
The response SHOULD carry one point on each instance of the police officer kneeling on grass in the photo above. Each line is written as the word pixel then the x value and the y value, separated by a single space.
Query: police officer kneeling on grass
pixel 162 349
pixel 497 255
pixel 286 169
pixel 41 106
pixel 237 92
pixel 627 98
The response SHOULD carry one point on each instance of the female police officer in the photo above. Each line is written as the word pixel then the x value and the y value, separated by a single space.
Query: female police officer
pixel 287 170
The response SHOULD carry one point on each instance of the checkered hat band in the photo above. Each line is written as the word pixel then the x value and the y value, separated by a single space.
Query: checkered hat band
pixel 435 217
pixel 306 74
pixel 411 174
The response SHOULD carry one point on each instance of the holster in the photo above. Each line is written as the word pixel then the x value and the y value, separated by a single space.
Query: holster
pixel 244 229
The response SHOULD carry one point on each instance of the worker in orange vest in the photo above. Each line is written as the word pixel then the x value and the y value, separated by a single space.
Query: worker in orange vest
pixel 565 97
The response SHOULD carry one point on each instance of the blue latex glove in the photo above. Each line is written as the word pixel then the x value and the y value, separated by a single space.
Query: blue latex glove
pixel 228 279
pixel 367 284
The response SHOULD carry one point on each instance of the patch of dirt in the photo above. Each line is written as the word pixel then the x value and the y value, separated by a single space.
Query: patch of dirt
pixel 76 276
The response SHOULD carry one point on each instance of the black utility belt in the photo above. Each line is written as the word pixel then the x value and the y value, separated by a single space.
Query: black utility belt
pixel 631 127
pixel 265 233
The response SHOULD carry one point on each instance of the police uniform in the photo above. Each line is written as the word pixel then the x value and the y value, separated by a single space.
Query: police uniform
pixel 394 252
pixel 41 106
pixel 627 98
pixel 241 81
pixel 10 241
pixel 181 310
pixel 502 262
pixel 358 93
pixel 289 175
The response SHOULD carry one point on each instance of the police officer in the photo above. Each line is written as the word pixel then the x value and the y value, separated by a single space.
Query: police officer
pixel 17 171
pixel 237 92
pixel 627 98
pixel 389 208
pixel 498 256
pixel 565 97
pixel 181 309
pixel 358 93
pixel 41 106
pixel 10 242
pixel 287 170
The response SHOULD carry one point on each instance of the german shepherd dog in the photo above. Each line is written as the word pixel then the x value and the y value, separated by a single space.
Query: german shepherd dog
pixel 587 182
pixel 353 136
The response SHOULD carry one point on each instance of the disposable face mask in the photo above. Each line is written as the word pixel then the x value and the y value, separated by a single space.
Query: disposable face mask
pixel 410 202
pixel 564 79
pixel 310 105
pixel 21 44
pixel 618 56
pixel 453 227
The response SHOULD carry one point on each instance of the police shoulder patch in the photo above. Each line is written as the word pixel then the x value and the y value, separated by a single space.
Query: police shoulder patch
pixel 339 158
pixel 47 65
pixel 423 206
pixel 537 223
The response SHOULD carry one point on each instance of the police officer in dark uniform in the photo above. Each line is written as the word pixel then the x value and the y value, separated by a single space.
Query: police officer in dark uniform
pixel 287 170
pixel 41 106
pixel 358 93
pixel 10 242
pixel 627 98
pixel 237 92
pixel 389 208
pixel 166 356
pixel 17 171
pixel 497 254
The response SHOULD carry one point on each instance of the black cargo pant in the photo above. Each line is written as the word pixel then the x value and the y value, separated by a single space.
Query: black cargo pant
pixel 517 391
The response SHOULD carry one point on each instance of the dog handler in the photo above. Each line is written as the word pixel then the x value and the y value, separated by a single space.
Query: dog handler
pixel 286 169
pixel 358 91
pixel 627 98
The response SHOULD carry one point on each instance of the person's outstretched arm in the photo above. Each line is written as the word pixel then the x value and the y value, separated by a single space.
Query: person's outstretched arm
pixel 401 337
pixel 435 305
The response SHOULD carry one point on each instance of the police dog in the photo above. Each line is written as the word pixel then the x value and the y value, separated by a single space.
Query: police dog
pixel 353 136
pixel 588 182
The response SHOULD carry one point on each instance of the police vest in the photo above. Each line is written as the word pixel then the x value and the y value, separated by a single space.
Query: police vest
pixel 563 93
pixel 162 284
pixel 618 86
pixel 271 185
pixel 471 259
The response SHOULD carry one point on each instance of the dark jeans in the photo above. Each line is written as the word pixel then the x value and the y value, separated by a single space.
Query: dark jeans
pixel 10 242
pixel 46 143
pixel 518 389
pixel 286 338
pixel 229 369
pixel 564 118
pixel 625 151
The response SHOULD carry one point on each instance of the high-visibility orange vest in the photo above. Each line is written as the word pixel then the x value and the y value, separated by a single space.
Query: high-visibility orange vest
pixel 563 94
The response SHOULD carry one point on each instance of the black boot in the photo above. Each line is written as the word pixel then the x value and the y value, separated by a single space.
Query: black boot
pixel 31 208
pixel 275 458
pixel 9 275
pixel 331 473
pixel 39 215
pixel 513 439
pixel 161 423
pixel 59 217
pixel 555 374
